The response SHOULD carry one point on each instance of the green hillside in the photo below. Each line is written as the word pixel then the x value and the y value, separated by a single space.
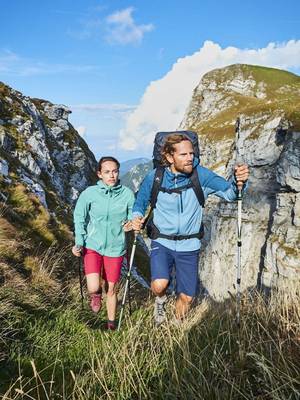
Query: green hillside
pixel 282 98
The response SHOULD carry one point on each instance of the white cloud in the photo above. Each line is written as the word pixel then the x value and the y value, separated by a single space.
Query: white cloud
pixel 164 102
pixel 81 130
pixel 122 29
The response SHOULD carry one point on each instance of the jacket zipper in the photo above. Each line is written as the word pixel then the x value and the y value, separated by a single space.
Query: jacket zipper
pixel 107 212
pixel 178 207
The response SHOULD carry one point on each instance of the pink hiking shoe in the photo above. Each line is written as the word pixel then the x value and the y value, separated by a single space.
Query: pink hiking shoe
pixel 96 302
pixel 111 325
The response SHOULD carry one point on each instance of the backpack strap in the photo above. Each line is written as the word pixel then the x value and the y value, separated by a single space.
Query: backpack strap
pixel 154 233
pixel 178 190
pixel 197 187
pixel 158 177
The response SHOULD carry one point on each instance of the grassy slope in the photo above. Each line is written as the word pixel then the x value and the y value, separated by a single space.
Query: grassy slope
pixel 283 97
pixel 51 349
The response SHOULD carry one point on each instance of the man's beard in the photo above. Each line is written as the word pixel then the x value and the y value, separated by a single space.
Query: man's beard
pixel 185 169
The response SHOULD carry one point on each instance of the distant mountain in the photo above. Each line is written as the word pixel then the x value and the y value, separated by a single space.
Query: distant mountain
pixel 127 165
pixel 133 178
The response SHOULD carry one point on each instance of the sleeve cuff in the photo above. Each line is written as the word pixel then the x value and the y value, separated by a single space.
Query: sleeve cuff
pixel 137 214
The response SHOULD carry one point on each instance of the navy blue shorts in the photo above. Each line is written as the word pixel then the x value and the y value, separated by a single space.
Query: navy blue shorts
pixel 186 264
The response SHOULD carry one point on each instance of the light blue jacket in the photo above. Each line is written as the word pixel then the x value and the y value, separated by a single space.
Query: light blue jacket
pixel 98 216
pixel 177 214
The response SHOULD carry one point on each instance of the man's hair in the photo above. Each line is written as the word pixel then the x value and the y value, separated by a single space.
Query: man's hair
pixel 108 158
pixel 168 147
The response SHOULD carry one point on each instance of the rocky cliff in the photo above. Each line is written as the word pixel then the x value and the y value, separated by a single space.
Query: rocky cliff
pixel 267 103
pixel 44 163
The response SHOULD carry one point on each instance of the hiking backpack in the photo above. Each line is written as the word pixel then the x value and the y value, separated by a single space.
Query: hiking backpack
pixel 160 138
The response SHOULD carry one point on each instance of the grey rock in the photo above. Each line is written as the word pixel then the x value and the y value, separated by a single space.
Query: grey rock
pixel 288 170
pixel 63 124
pixel 4 167
pixel 29 162
pixel 55 112
pixel 5 141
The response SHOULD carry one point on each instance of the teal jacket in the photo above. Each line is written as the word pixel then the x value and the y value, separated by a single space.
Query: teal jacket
pixel 98 217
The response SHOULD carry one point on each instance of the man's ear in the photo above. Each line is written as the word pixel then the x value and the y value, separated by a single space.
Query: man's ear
pixel 169 158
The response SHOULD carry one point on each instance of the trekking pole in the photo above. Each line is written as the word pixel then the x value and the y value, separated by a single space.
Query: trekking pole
pixel 80 275
pixel 127 279
pixel 127 262
pixel 239 233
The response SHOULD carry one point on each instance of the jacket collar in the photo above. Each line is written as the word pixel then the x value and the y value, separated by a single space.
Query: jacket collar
pixel 112 190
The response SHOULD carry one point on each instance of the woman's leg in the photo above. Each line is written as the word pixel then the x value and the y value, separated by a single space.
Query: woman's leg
pixel 112 273
pixel 111 300
pixel 93 283
pixel 93 266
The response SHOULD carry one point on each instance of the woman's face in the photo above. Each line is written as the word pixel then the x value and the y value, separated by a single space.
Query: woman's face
pixel 109 173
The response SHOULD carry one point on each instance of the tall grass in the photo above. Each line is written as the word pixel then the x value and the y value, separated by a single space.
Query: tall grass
pixel 53 349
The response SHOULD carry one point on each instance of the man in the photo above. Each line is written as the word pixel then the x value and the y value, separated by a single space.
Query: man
pixel 178 214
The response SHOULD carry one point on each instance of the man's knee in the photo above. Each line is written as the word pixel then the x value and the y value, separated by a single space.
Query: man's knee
pixel 185 298
pixel 159 286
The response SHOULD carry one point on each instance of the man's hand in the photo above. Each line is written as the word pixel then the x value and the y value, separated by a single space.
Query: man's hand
pixel 127 226
pixel 137 223
pixel 241 172
pixel 76 251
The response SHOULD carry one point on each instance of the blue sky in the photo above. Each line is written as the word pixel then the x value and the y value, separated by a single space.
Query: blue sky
pixel 127 68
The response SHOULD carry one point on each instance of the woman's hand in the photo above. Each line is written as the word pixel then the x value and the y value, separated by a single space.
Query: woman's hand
pixel 127 227
pixel 76 250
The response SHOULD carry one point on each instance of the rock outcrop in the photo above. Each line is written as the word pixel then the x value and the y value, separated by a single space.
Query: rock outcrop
pixel 267 103
pixel 40 149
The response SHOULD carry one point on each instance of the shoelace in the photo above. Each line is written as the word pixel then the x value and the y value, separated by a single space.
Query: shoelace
pixel 161 309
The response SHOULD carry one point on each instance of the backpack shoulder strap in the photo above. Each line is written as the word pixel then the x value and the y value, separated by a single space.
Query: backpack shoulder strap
pixel 197 187
pixel 157 182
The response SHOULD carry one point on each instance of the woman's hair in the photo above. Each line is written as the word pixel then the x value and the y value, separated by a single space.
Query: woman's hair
pixel 104 159
pixel 168 147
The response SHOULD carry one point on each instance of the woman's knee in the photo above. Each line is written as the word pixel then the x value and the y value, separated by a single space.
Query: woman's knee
pixel 93 283
pixel 111 290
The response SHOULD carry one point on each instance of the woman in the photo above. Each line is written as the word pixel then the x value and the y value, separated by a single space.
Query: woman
pixel 102 215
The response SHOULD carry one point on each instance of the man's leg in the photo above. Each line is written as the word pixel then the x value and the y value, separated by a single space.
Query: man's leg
pixel 161 262
pixel 183 304
pixel 187 264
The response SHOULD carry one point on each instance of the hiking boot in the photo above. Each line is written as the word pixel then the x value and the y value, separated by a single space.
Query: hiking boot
pixel 159 310
pixel 96 302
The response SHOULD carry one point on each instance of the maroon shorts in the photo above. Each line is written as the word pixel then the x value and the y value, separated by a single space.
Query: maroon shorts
pixel 108 267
